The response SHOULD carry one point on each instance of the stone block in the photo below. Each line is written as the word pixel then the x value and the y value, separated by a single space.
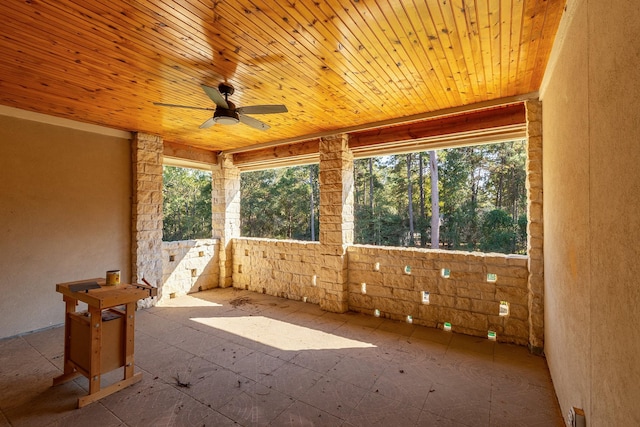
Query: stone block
pixel 404 281
pixel 482 286
pixel 429 313
pixel 442 300
pixel 469 293
pixel 485 307
pixel 447 287
pixel 380 291
pixel 333 304
pixel 397 307
pixel 364 302
pixel 516 327
pixel 512 295
pixel 405 295
pixel 518 311
pixel 426 283
pixel 496 324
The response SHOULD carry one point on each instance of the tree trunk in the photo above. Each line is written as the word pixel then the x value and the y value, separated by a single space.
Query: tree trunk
pixel 410 197
pixel 435 201
pixel 371 185
pixel 422 223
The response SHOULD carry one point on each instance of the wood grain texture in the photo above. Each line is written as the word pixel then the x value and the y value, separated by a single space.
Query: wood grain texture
pixel 334 64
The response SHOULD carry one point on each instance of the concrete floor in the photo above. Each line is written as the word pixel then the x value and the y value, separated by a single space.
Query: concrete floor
pixel 226 357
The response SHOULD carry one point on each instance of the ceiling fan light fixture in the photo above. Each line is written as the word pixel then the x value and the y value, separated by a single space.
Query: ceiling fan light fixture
pixel 226 120
pixel 225 117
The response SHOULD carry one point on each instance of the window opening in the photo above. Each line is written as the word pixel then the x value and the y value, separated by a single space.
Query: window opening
pixel 476 202
pixel 280 203
pixel 186 204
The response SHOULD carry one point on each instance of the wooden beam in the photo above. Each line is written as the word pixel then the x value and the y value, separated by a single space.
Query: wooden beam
pixel 175 154
pixel 500 123
pixel 275 155
pixel 462 123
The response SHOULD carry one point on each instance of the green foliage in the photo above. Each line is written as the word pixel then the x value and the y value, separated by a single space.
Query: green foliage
pixel 482 200
pixel 473 181
pixel 498 232
pixel 186 204
pixel 277 203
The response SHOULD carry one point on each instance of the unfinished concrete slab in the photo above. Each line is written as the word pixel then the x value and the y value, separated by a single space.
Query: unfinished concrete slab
pixel 231 357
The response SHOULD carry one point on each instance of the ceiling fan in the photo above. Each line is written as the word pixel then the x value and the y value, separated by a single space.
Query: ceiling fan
pixel 226 112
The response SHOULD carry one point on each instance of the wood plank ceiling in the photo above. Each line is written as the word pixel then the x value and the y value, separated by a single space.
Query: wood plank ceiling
pixel 335 64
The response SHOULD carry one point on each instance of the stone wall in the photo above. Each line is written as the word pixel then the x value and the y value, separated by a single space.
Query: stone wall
pixel 284 268
pixel 392 280
pixel 146 216
pixel 336 219
pixel 225 212
pixel 535 231
pixel 189 266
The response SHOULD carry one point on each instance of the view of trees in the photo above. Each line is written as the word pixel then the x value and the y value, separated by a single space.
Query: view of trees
pixel 480 199
pixel 280 203
pixel 186 204
pixel 469 198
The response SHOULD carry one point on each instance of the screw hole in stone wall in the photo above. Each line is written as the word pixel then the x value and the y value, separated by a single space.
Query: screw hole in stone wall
pixel 172 258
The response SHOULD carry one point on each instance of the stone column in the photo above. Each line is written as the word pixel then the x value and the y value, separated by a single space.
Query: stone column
pixel 146 219
pixel 534 226
pixel 225 212
pixel 336 220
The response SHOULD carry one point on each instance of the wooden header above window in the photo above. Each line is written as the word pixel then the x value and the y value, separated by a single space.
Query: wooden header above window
pixel 482 126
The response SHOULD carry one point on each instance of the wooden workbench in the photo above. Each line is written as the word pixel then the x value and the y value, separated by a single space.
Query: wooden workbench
pixel 101 339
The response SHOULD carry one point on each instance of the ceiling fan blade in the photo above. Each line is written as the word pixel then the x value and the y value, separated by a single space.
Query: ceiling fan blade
pixel 254 123
pixel 215 96
pixel 160 104
pixel 262 109
pixel 207 124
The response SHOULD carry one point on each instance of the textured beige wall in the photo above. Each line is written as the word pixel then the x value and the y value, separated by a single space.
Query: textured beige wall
pixel 189 266
pixel 394 279
pixel 591 130
pixel 284 268
pixel 64 215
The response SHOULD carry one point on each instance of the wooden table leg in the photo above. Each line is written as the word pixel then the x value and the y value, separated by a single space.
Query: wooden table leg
pixel 129 332
pixel 69 371
pixel 96 349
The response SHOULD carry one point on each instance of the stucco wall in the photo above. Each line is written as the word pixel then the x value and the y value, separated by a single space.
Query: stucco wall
pixel 591 129
pixel 64 215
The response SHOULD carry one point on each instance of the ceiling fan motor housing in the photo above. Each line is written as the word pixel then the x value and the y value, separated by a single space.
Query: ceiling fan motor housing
pixel 226 116
pixel 226 89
